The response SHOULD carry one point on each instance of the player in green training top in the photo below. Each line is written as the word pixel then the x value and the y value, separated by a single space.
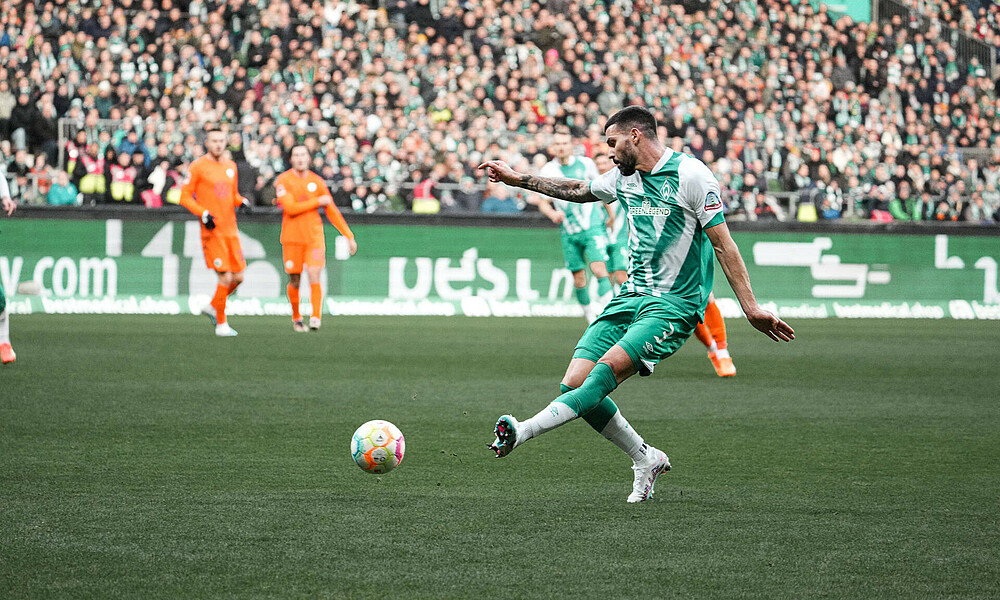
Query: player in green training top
pixel 584 238
pixel 6 352
pixel 617 234
pixel 674 222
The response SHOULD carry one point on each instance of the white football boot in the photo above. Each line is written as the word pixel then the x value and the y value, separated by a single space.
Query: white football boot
pixel 224 330
pixel 506 432
pixel 209 311
pixel 646 472
pixel 314 323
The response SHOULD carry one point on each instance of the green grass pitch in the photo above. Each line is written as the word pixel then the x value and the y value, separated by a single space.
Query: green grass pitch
pixel 144 458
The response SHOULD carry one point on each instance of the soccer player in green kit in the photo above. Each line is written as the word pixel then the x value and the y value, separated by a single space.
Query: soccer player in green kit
pixel 617 234
pixel 675 223
pixel 6 352
pixel 581 226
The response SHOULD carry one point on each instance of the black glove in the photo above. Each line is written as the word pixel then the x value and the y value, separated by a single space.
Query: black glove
pixel 245 207
pixel 208 220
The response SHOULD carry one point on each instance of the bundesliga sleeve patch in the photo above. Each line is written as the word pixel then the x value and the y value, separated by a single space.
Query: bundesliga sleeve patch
pixel 712 201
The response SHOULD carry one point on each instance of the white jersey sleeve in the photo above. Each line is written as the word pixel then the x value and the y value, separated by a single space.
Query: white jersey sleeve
pixel 605 186
pixel 700 191
pixel 4 187
pixel 550 169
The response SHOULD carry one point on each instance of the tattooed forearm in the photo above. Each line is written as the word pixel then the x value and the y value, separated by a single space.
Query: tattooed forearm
pixel 572 190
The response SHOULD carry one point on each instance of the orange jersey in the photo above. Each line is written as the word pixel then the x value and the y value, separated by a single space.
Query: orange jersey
pixel 299 198
pixel 211 186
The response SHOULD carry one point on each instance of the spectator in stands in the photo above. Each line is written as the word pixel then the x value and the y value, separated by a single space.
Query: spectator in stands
pixel 24 119
pixel 132 145
pixel 764 208
pixel 343 196
pixel 88 176
pixel 18 169
pixel 466 197
pixel 7 103
pixel 41 176
pixel 424 200
pixel 74 148
pixel 121 175
pixel 47 133
pixel 484 78
pixel 499 200
pixel 62 192
pixel 832 201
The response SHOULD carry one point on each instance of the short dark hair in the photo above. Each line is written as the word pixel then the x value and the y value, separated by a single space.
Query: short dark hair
pixel 634 116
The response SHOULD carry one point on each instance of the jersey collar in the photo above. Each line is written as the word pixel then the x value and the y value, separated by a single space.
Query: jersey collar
pixel 667 154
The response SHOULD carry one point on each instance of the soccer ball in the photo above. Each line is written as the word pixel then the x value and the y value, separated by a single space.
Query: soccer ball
pixel 378 446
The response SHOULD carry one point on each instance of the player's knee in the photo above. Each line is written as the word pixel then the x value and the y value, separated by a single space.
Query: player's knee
pixel 573 381
pixel 238 278
pixel 600 269
pixel 579 279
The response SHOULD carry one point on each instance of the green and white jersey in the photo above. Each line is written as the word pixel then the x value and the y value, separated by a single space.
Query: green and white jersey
pixel 668 210
pixel 579 217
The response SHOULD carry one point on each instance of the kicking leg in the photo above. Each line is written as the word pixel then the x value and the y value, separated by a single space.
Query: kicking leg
pixel 603 377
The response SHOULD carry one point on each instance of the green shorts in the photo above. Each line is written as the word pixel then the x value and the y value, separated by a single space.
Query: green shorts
pixel 584 247
pixel 617 256
pixel 648 328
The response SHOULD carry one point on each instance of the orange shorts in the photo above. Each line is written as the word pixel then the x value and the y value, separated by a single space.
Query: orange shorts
pixel 297 255
pixel 223 253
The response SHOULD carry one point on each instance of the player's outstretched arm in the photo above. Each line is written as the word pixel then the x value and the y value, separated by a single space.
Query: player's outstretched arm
pixel 736 272
pixel 571 190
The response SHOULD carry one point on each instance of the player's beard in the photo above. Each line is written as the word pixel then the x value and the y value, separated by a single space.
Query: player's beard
pixel 626 159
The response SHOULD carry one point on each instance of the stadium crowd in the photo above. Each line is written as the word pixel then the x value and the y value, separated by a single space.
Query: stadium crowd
pixel 400 104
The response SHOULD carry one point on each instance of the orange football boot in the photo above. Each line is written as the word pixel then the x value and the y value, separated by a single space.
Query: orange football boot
pixel 7 354
pixel 724 367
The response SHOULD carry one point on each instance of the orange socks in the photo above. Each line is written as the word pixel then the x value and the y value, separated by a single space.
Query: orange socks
pixel 219 303
pixel 316 298
pixel 703 335
pixel 713 319
pixel 293 297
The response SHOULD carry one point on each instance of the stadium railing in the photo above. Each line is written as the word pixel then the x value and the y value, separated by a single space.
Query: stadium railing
pixel 966 46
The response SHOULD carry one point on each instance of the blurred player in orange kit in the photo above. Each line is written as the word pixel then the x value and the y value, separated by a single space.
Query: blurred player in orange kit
pixel 211 193
pixel 712 333
pixel 300 192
